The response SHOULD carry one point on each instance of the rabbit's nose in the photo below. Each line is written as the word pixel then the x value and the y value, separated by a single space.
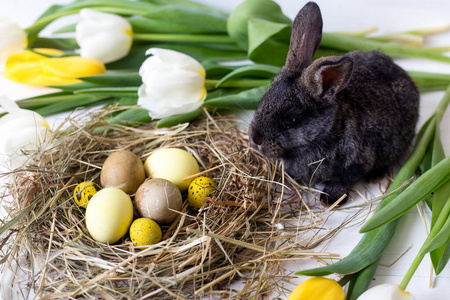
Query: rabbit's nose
pixel 256 137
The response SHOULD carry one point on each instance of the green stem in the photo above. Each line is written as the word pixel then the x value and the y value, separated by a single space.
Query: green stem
pixel 195 38
pixel 248 83
pixel 442 106
pixel 116 9
pixel 412 269
pixel 348 43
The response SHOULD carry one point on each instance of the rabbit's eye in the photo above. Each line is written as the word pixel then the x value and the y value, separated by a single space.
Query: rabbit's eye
pixel 289 121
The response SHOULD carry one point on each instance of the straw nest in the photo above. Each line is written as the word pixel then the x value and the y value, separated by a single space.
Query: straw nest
pixel 233 247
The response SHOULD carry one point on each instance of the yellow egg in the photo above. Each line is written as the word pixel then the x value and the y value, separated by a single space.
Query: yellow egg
pixel 109 215
pixel 172 164
pixel 144 231
pixel 200 188
pixel 84 191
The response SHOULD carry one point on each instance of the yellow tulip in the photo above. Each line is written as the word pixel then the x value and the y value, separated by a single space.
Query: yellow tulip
pixel 34 69
pixel 318 288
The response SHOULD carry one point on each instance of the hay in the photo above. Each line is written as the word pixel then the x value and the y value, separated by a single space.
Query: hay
pixel 233 247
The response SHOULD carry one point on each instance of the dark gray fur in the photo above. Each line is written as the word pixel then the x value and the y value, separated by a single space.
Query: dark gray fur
pixel 339 119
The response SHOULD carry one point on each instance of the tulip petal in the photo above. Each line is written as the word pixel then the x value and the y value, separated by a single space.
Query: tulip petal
pixel 318 288
pixel 386 291
pixel 33 69
pixel 173 84
pixel 103 36
pixel 21 130
pixel 177 60
pixel 13 40
pixel 72 67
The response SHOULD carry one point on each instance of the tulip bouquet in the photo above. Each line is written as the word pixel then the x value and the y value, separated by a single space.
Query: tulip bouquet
pixel 164 61
pixel 120 34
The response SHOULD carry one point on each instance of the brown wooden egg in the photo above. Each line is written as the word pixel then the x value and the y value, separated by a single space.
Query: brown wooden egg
pixel 123 170
pixel 158 199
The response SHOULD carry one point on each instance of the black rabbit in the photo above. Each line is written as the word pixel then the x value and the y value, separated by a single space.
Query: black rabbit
pixel 336 120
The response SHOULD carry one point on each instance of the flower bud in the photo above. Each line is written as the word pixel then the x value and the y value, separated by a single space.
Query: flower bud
pixel 21 131
pixel 318 288
pixel 173 83
pixel 13 40
pixel 103 36
pixel 386 291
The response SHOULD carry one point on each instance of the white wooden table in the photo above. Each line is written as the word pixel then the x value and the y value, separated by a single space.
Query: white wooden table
pixel 343 15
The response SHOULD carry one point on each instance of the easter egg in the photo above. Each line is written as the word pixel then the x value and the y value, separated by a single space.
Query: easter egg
pixel 200 188
pixel 144 231
pixel 84 191
pixel 109 215
pixel 172 164
pixel 158 199
pixel 123 170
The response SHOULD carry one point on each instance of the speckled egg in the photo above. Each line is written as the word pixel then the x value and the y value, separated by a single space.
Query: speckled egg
pixel 144 231
pixel 200 188
pixel 84 191
pixel 173 164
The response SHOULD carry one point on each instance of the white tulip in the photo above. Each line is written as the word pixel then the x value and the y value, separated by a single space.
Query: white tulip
pixel 386 291
pixel 103 36
pixel 173 83
pixel 14 39
pixel 21 131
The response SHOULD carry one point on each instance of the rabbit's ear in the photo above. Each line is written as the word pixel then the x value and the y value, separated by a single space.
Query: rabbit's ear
pixel 327 76
pixel 305 38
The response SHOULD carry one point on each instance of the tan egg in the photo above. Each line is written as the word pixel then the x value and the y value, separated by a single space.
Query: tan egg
pixel 158 199
pixel 109 215
pixel 123 170
pixel 172 164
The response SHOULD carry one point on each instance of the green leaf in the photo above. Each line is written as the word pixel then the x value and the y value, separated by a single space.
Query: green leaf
pixel 268 41
pixel 215 71
pixel 417 191
pixel 110 91
pixel 179 119
pixel 204 52
pixel 238 20
pixel 191 16
pixel 444 258
pixel 43 100
pixel 440 233
pixel 115 80
pixel 365 253
pixel 17 218
pixel 71 103
pixel 75 87
pixel 265 71
pixel 146 25
pixel 131 117
pixel 66 29
pixel 248 99
pixel 57 43
pixel 362 280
